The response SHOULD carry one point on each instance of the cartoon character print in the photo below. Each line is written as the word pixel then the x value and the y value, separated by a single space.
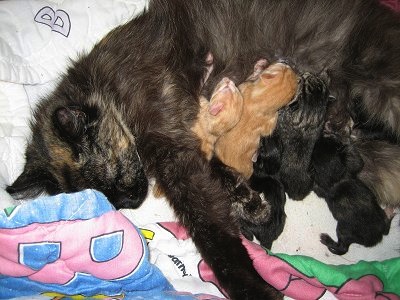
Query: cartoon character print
pixel 53 253
pixel 303 277
pixel 58 20
pixel 73 244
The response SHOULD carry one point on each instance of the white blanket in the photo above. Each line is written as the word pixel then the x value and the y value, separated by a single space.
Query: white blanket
pixel 37 41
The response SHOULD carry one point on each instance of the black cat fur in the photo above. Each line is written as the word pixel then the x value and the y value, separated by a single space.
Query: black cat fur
pixel 299 126
pixel 125 109
pixel 265 180
pixel 360 219
pixel 283 159
pixel 331 172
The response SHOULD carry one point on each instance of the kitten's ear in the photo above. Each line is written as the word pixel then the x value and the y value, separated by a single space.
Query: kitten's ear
pixel 215 108
pixel 32 182
pixel 70 121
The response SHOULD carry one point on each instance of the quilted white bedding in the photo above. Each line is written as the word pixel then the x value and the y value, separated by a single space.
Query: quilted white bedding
pixel 37 40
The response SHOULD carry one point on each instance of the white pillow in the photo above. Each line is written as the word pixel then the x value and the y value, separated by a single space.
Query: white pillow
pixel 37 37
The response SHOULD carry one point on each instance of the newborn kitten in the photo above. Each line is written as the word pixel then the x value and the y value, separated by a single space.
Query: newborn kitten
pixel 360 219
pixel 264 95
pixel 215 118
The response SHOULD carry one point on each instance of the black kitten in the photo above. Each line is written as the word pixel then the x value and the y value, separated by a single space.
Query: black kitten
pixel 359 217
pixel 266 181
pixel 299 126
pixel 331 172
pixel 284 157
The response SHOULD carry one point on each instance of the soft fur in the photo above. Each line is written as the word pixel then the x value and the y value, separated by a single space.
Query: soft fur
pixel 335 171
pixel 265 179
pixel 284 158
pixel 381 171
pixel 360 219
pixel 126 109
pixel 263 97
pixel 216 116
pixel 219 115
pixel 298 128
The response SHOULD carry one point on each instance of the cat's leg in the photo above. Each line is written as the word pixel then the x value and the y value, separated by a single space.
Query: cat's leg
pixel 265 180
pixel 270 229
pixel 202 204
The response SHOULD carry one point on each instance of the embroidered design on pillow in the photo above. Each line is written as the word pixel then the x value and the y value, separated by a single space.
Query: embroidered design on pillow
pixel 58 20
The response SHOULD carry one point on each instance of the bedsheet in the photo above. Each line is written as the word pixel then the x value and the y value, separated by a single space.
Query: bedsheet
pixel 42 254
pixel 37 41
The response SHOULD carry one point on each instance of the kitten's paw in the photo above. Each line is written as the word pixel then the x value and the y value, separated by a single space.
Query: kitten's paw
pixel 251 206
pixel 337 248
pixel 259 67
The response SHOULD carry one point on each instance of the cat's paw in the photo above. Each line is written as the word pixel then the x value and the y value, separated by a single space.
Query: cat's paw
pixel 338 248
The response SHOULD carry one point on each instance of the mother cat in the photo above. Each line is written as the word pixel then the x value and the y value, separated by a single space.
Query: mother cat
pixel 124 111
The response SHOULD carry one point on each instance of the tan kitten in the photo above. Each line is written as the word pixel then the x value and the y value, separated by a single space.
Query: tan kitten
pixel 215 118
pixel 264 94
pixel 219 115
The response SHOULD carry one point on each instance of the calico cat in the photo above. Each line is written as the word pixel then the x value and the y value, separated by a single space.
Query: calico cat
pixel 124 111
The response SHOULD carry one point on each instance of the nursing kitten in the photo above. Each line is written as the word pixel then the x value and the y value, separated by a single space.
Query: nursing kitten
pixel 127 108
pixel 333 171
pixel 215 118
pixel 265 180
pixel 360 219
pixel 284 158
pixel 264 95
pixel 219 115
pixel 299 127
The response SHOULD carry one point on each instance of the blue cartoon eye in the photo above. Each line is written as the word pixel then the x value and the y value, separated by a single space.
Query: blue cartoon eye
pixel 37 255
pixel 107 246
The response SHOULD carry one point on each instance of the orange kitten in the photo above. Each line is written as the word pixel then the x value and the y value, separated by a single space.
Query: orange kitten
pixel 215 118
pixel 264 94
pixel 219 115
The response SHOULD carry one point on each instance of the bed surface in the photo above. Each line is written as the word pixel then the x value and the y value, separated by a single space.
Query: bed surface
pixel 38 38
